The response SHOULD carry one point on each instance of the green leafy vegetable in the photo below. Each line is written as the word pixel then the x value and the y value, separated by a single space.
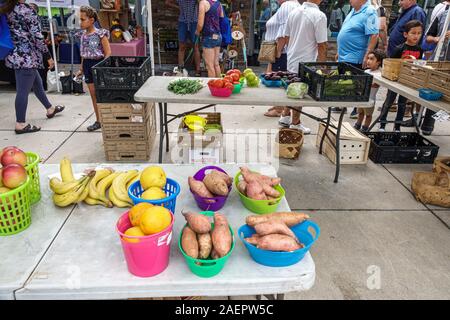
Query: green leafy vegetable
pixel 185 86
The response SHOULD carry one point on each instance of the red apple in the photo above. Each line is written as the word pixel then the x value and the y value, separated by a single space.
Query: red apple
pixel 1 180
pixel 6 148
pixel 14 175
pixel 13 155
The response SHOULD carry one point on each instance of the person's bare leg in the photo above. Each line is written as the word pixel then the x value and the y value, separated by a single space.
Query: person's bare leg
pixel 295 117
pixel 208 55
pixel 368 121
pixel 269 68
pixel 94 100
pixel 217 62
pixel 360 118
pixel 181 53
pixel 197 58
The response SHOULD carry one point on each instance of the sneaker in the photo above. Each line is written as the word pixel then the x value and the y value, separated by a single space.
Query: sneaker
pixel 300 127
pixel 408 123
pixel 364 129
pixel 357 126
pixel 285 121
pixel 426 132
pixel 336 109
pixel 381 130
pixel 354 114
pixel 95 126
pixel 397 129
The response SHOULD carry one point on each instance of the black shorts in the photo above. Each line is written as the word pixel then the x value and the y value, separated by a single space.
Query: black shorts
pixel 87 69
pixel 280 63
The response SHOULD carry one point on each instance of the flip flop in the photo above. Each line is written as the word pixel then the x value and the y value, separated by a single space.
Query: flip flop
pixel 28 129
pixel 273 113
pixel 58 109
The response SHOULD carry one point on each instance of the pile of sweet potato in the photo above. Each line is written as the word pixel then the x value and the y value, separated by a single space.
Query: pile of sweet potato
pixel 257 186
pixel 273 232
pixel 215 183
pixel 200 241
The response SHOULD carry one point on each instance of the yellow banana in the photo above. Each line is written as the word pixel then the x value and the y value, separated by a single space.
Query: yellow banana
pixel 65 168
pixel 93 190
pixel 106 182
pixel 118 203
pixel 85 192
pixel 120 185
pixel 71 197
pixel 59 187
pixel 95 202
pixel 133 181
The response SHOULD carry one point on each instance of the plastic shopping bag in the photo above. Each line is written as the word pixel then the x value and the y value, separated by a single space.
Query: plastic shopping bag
pixel 51 81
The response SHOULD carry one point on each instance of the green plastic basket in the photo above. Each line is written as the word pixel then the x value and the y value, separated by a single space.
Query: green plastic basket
pixel 15 211
pixel 210 267
pixel 259 206
pixel 33 172
pixel 237 88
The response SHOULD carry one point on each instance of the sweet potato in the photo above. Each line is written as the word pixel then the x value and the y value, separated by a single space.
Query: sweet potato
pixel 204 244
pixel 216 184
pixel 255 191
pixel 253 176
pixel 221 235
pixel 198 222
pixel 189 242
pixel 214 254
pixel 199 188
pixel 289 218
pixel 270 191
pixel 224 176
pixel 253 239
pixel 274 226
pixel 242 187
pixel 278 242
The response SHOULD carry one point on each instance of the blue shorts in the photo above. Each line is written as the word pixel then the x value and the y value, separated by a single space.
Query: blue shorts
pixel 87 69
pixel 209 43
pixel 186 32
pixel 280 63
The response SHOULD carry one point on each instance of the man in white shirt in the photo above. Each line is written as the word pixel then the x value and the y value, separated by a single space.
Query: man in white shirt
pixel 307 36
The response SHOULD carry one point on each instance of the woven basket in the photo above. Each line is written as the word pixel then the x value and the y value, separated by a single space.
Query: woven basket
pixel 441 164
pixel 288 143
pixel 391 69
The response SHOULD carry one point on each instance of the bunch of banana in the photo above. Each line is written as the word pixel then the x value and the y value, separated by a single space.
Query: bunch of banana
pixel 118 193
pixel 97 188
pixel 67 193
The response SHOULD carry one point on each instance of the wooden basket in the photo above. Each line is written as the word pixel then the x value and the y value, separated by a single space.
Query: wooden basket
pixel 417 77
pixel 391 68
pixel 288 143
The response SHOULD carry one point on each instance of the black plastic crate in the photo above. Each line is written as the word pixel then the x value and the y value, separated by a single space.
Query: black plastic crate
pixel 122 72
pixel 115 96
pixel 347 83
pixel 401 147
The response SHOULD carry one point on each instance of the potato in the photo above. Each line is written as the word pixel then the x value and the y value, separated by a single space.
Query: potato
pixel 216 184
pixel 289 218
pixel 221 235
pixel 242 187
pixel 255 191
pixel 253 239
pixel 224 176
pixel 204 244
pixel 197 222
pixel 189 242
pixel 199 188
pixel 273 227
pixel 278 242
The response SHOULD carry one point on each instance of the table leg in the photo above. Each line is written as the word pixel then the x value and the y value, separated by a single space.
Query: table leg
pixel 338 154
pixel 167 127
pixel 161 131
pixel 326 130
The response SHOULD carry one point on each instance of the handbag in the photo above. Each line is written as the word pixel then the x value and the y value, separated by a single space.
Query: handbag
pixel 268 52
pixel 6 44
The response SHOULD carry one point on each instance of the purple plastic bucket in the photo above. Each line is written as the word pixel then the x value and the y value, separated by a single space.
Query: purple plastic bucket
pixel 209 204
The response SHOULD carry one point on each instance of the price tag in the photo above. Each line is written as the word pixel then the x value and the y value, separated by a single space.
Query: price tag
pixel 441 116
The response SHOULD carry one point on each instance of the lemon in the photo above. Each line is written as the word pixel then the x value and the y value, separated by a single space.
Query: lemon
pixel 133 232
pixel 153 193
pixel 135 213
pixel 153 177
pixel 155 219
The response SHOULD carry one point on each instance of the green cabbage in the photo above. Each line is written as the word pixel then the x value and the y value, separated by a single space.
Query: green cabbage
pixel 297 90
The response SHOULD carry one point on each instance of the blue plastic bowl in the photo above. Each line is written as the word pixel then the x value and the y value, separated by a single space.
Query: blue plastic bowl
pixel 281 259
pixel 271 83
pixel 429 94
pixel 172 189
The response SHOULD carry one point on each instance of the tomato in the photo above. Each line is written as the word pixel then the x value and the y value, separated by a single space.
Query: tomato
pixel 237 71
pixel 236 82
pixel 229 86
pixel 230 72
pixel 228 78
pixel 235 77
pixel 218 83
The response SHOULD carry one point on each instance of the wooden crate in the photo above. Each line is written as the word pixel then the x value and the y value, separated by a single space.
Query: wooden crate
pixel 391 68
pixel 129 151
pixel 124 112
pixel 439 80
pixel 416 76
pixel 354 147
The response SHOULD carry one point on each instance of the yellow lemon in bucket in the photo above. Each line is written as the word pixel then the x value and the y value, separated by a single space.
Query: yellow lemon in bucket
pixel 153 193
pixel 133 232
pixel 135 213
pixel 155 219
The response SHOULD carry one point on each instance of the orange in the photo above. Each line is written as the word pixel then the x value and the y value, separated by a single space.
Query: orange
pixel 135 213
pixel 155 219
pixel 133 232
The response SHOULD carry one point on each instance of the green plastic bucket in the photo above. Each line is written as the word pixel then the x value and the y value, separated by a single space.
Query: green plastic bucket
pixel 210 267
pixel 32 169
pixel 237 88
pixel 259 206
pixel 15 211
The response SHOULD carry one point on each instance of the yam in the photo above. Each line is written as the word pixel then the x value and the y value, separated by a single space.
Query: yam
pixel 214 254
pixel 278 242
pixel 289 218
pixel 204 244
pixel 253 176
pixel 197 222
pixel 216 184
pixel 255 191
pixel 273 227
pixel 199 188
pixel 224 176
pixel 253 239
pixel 221 235
pixel 242 187
pixel 189 242
pixel 270 191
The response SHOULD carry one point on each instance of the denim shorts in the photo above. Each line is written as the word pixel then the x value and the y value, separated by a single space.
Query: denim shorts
pixel 186 32
pixel 87 69
pixel 210 43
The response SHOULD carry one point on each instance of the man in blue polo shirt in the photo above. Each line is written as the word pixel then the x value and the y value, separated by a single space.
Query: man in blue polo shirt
pixel 358 35
pixel 410 11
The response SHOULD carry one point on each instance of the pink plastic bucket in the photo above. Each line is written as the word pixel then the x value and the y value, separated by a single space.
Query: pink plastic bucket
pixel 149 256
pixel 220 92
